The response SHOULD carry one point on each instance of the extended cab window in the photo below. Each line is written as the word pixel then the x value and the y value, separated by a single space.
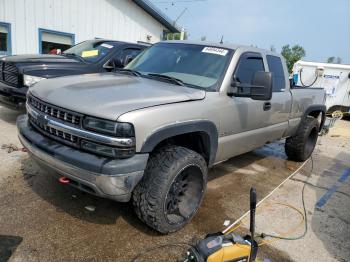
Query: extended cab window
pixel 247 66
pixel 276 68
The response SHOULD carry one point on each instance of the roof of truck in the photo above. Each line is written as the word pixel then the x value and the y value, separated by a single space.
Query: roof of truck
pixel 224 45
pixel 119 41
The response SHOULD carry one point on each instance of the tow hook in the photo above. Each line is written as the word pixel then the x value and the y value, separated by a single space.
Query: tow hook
pixel 64 180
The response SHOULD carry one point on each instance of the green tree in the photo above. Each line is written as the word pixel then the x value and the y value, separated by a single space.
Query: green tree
pixel 292 55
pixel 334 60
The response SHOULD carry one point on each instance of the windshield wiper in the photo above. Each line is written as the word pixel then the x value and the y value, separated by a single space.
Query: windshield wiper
pixel 170 78
pixel 74 55
pixel 133 72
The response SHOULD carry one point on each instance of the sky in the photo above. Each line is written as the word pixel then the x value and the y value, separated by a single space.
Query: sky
pixel 322 27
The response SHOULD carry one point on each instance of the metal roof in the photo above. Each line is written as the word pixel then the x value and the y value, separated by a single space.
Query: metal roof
pixel 158 15
pixel 321 64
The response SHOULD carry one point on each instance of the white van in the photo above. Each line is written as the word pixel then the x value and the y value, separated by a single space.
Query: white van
pixel 334 78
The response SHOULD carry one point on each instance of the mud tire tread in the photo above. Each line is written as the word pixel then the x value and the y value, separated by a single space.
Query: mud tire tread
pixel 149 194
pixel 295 145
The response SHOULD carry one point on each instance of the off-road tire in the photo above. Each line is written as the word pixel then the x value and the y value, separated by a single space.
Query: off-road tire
pixel 300 146
pixel 149 196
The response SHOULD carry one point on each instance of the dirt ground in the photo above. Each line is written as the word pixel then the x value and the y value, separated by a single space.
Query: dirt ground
pixel 327 203
pixel 42 220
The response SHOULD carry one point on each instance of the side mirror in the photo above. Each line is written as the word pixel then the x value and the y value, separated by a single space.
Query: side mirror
pixel 262 86
pixel 113 63
pixel 128 59
pixel 260 89
pixel 118 63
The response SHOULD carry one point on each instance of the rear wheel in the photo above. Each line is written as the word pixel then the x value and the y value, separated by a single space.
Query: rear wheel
pixel 300 146
pixel 172 188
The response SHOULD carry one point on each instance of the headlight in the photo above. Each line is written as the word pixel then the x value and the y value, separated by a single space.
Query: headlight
pixel 109 127
pixel 29 80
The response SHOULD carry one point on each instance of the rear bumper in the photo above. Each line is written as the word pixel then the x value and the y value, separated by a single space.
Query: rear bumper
pixel 109 178
pixel 13 97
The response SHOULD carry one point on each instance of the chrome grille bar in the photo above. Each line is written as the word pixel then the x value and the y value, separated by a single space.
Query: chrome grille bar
pixel 59 113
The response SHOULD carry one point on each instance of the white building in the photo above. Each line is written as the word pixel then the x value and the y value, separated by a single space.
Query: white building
pixel 37 26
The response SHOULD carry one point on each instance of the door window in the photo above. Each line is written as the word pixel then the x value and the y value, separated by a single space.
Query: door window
pixel 248 65
pixel 129 54
pixel 126 55
pixel 276 68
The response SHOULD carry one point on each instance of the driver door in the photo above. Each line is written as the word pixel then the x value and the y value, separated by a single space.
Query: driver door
pixel 248 124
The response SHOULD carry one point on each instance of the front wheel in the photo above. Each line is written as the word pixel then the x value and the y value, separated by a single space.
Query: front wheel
pixel 172 188
pixel 300 146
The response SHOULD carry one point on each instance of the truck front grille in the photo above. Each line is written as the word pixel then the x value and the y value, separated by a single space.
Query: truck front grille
pixel 9 74
pixel 11 79
pixel 56 112
pixel 64 137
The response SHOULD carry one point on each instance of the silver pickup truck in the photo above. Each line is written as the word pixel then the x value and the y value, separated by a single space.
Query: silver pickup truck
pixel 151 131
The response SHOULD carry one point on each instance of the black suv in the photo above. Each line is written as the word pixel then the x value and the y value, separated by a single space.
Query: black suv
pixel 20 72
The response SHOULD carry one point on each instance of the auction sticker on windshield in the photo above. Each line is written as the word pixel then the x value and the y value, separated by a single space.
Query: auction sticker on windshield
pixel 215 50
pixel 89 53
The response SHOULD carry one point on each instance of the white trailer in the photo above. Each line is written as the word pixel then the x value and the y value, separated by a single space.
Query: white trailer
pixel 334 78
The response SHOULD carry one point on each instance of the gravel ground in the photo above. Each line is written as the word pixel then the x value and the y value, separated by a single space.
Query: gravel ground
pixel 41 220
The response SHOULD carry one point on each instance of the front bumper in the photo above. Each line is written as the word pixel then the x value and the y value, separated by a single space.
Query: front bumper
pixel 109 178
pixel 13 97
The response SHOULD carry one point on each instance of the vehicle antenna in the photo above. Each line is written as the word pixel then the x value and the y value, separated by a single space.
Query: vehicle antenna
pixel 181 14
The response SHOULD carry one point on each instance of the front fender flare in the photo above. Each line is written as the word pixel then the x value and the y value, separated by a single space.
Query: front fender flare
pixel 181 128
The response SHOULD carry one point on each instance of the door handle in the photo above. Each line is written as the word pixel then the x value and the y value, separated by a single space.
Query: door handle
pixel 267 106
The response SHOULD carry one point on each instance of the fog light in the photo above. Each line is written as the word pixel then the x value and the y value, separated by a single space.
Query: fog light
pixel 107 150
pixel 97 148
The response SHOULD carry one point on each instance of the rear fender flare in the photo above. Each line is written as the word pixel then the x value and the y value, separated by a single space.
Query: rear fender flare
pixel 314 108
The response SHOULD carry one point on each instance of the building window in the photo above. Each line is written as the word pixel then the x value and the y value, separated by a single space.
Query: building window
pixel 5 38
pixel 54 42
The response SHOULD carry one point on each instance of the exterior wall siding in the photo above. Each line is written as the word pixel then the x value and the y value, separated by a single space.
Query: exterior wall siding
pixel 86 19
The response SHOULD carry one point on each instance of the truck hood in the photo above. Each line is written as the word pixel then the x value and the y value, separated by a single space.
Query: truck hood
pixel 46 65
pixel 38 59
pixel 110 95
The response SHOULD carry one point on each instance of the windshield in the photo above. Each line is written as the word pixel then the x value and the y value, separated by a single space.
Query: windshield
pixel 194 65
pixel 91 50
